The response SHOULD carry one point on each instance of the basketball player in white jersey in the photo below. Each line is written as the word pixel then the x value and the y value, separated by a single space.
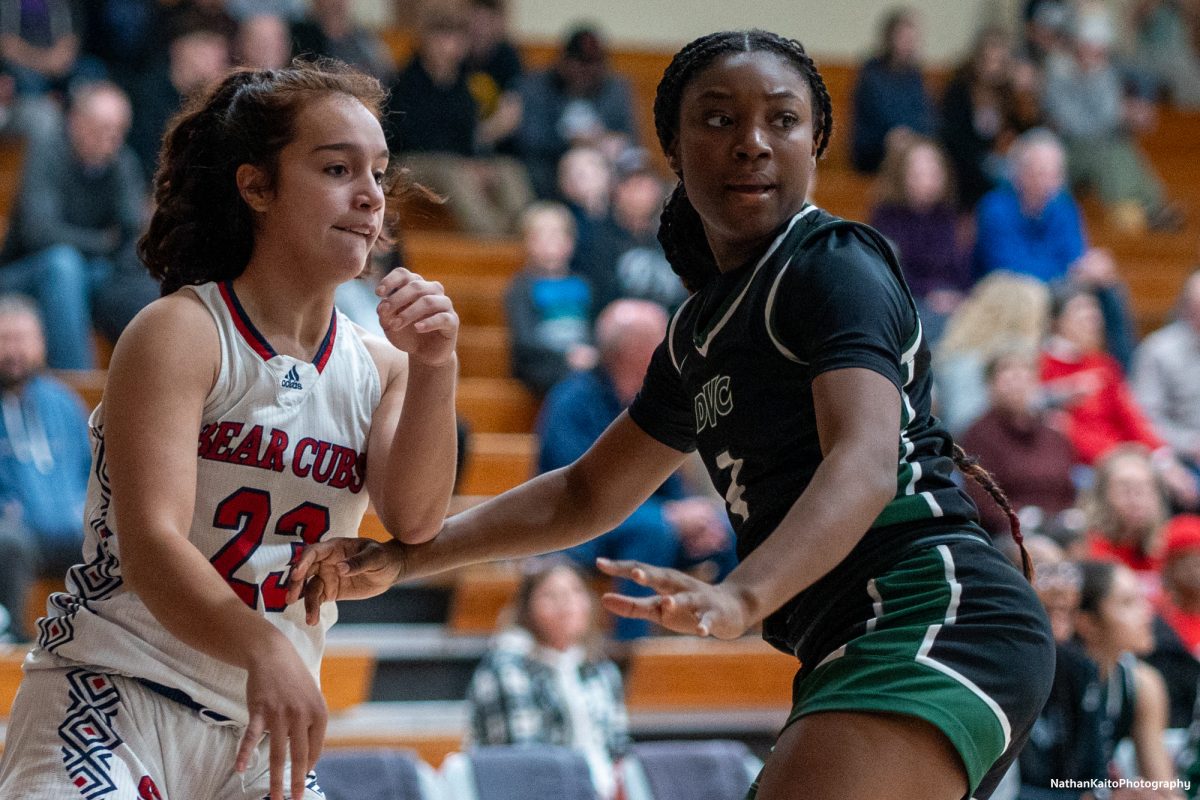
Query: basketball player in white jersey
pixel 243 418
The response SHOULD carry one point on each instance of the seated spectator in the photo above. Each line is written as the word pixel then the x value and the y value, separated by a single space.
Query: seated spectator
pixel 494 74
pixel 1004 311
pixel 544 680
pixel 1045 30
pixel 1177 625
pixel 1166 378
pixel 577 101
pixel 40 51
pixel 195 58
pixel 1180 600
pixel 436 129
pixel 71 240
pixel 263 42
pixel 208 15
pixel 125 35
pixel 329 31
pixel 980 116
pixel 627 258
pixel 1114 625
pixel 1066 740
pixel 916 212
pixel 1032 226
pixel 889 93
pixel 1100 411
pixel 548 307
pixel 585 181
pixel 1085 102
pixel 1126 509
pixel 670 529
pixel 286 9
pixel 45 461
pixel 1029 458
pixel 1165 47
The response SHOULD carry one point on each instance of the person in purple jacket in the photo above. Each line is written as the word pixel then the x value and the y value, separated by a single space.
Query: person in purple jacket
pixel 916 211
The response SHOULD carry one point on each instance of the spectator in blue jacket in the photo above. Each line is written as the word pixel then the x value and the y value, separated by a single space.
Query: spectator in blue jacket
pixel 45 459
pixel 672 528
pixel 890 92
pixel 1032 226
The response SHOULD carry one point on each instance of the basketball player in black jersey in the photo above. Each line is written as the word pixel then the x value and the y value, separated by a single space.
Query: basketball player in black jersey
pixel 798 369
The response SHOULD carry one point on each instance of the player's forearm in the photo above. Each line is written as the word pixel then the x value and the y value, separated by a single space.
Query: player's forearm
pixel 819 531
pixel 421 463
pixel 188 598
pixel 549 513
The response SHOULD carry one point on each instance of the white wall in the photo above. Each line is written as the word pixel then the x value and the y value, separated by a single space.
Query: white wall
pixel 834 29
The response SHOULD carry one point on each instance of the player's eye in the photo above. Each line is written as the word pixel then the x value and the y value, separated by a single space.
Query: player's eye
pixel 787 120
pixel 337 170
pixel 718 120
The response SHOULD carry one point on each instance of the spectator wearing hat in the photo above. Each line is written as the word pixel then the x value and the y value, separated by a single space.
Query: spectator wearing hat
pixel 576 101
pixel 1177 627
pixel 1179 604
pixel 435 127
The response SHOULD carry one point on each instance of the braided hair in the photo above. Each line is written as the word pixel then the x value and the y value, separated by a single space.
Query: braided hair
pixel 202 230
pixel 681 231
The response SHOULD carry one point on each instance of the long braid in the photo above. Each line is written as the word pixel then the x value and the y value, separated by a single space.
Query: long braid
pixel 970 466
pixel 680 230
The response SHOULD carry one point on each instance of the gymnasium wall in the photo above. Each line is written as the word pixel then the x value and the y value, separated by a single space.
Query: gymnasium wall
pixel 832 29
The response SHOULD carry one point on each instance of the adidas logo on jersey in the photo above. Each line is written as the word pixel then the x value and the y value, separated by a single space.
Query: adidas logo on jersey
pixel 291 380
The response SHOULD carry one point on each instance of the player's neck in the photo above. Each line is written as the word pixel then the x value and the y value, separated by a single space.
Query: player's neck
pixel 293 316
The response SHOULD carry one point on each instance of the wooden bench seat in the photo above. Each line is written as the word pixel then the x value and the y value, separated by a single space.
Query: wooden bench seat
pixel 680 672
pixel 497 462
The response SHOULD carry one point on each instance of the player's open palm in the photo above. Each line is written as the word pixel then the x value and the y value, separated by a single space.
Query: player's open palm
pixel 681 603
pixel 417 317
pixel 285 705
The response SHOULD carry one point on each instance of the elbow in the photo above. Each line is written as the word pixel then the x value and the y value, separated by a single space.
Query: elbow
pixel 415 534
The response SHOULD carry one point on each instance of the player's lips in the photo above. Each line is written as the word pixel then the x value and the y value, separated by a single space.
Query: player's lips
pixel 365 231
pixel 750 187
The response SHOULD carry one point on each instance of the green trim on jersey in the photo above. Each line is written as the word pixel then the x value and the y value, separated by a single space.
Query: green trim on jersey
pixel 888 668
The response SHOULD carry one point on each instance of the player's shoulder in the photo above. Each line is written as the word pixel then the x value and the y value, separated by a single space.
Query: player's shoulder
pixel 172 341
pixel 178 319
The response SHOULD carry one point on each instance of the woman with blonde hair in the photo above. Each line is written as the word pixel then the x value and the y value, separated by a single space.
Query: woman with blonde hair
pixel 1127 510
pixel 1003 311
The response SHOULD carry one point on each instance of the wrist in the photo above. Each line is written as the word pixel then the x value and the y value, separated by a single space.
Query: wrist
pixel 444 365
pixel 749 604
pixel 264 646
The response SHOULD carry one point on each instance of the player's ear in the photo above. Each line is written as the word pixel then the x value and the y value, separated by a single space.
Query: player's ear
pixel 254 187
pixel 673 158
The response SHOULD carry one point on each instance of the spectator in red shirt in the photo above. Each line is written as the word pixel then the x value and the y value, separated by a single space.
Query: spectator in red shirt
pixel 1100 410
pixel 1180 601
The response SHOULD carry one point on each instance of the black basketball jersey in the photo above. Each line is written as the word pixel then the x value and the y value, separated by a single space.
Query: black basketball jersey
pixel 734 376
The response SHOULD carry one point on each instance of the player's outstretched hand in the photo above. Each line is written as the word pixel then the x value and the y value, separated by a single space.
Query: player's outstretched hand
pixel 343 568
pixel 681 603
pixel 286 706
pixel 417 317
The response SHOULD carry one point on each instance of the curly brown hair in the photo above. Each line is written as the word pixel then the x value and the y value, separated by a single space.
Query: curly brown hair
pixel 202 230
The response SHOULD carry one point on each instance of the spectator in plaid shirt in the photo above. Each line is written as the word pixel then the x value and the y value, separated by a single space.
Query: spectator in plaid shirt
pixel 544 681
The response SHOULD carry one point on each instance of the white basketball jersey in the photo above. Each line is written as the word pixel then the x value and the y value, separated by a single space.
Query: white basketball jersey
pixel 281 462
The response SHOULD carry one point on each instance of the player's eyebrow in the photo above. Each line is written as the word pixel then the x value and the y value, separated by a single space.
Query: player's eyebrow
pixel 347 147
